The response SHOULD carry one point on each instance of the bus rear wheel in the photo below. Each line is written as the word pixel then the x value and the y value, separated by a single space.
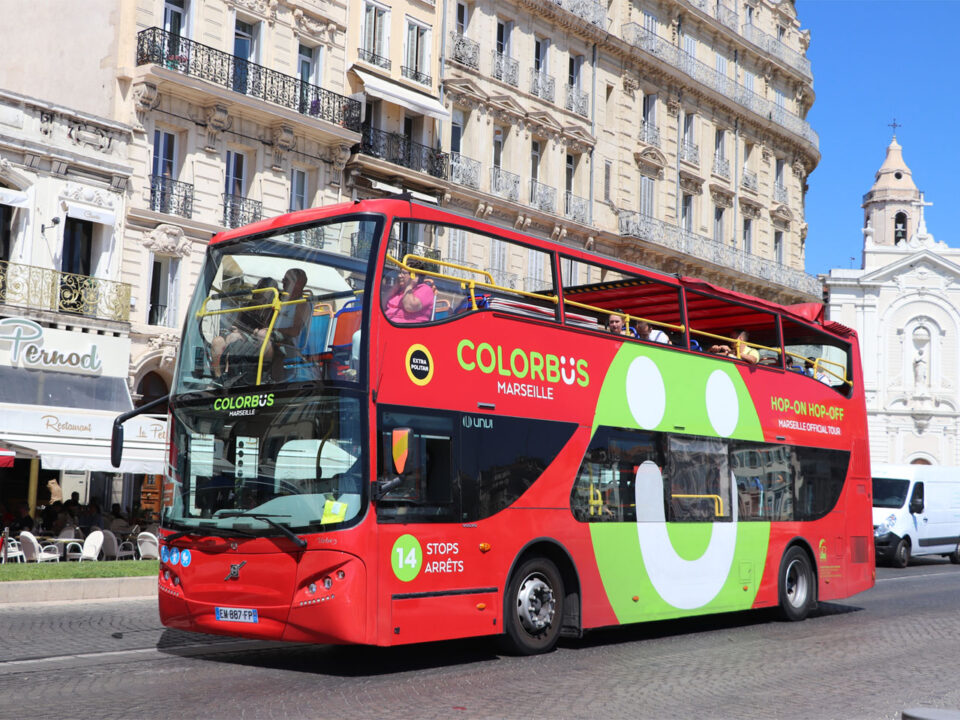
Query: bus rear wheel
pixel 797 585
pixel 533 608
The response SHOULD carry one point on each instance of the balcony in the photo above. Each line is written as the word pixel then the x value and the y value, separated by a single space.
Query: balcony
pixel 155 46
pixel 543 197
pixel 593 12
pixel 239 211
pixel 542 85
pixel 401 150
pixel 157 315
pixel 657 232
pixel 778 49
pixel 506 69
pixel 465 51
pixel 312 237
pixel 578 101
pixel 577 208
pixel 647 41
pixel 371 58
pixel 411 73
pixel 464 171
pixel 749 180
pixel 40 288
pixel 505 279
pixel 724 15
pixel 780 194
pixel 690 152
pixel 721 166
pixel 649 133
pixel 171 197
pixel 504 184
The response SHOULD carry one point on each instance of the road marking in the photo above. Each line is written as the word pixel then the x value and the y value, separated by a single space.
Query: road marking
pixel 912 577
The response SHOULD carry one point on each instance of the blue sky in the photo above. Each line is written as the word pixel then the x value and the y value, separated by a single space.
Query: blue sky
pixel 875 60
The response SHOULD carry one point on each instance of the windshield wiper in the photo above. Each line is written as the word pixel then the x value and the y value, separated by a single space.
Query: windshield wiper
pixel 301 543
pixel 206 530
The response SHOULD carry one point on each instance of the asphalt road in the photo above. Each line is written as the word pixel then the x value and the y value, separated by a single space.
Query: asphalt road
pixel 896 646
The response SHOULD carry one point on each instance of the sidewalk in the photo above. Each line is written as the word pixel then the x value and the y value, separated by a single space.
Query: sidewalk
pixel 33 591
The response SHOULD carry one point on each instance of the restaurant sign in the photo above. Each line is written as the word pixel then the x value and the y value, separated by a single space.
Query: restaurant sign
pixel 26 344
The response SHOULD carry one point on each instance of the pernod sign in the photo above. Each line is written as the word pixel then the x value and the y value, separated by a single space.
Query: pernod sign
pixel 24 342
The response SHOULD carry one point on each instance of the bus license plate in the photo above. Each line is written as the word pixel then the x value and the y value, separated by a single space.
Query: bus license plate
pixel 244 615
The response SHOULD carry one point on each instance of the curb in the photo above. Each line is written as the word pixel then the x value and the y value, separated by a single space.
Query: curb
pixel 35 591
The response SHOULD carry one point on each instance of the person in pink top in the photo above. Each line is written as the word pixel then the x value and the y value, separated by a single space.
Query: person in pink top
pixel 411 300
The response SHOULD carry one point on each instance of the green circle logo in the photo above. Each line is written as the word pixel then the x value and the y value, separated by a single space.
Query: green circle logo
pixel 406 558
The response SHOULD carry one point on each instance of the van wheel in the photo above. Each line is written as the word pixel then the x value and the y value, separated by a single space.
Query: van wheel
pixel 955 555
pixel 901 556
pixel 797 586
pixel 533 608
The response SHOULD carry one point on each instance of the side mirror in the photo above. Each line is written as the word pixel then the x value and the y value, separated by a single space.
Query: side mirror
pixel 116 444
pixel 916 505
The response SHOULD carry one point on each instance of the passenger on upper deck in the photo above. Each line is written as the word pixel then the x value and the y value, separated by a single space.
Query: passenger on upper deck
pixel 746 353
pixel 644 332
pixel 411 300
pixel 232 355
pixel 616 324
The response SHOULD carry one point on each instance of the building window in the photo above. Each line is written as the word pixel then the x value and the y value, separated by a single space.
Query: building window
pixel 456 130
pixel 6 231
pixel 498 136
pixel 718 224
pixel 463 18
pixel 534 160
pixel 163 284
pixel 650 22
pixel 417 53
pixel 721 65
pixel 175 17
pixel 686 212
pixel 574 70
pixel 162 191
pixel 688 125
pixel 77 242
pixel 244 50
pixel 540 47
pixel 647 195
pixel 748 80
pixel 747 235
pixel 899 228
pixel 690 46
pixel 236 174
pixel 457 245
pixel 298 189
pixel 607 181
pixel 780 98
pixel 504 31
pixel 571 172
pixel 376 24
pixel 778 246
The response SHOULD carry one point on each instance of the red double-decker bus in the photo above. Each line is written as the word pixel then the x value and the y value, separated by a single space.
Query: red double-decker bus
pixel 393 424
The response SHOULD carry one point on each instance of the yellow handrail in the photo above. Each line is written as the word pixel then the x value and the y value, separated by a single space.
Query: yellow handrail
pixel 736 342
pixel 717 501
pixel 628 316
pixel 820 361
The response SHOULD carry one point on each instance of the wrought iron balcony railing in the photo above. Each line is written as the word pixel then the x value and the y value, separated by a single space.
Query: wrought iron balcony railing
pixel 749 180
pixel 464 171
pixel 721 166
pixel 504 184
pixel 543 197
pixel 239 211
pixel 690 152
pixel 542 85
pixel 171 197
pixel 191 58
pixel 506 69
pixel 778 49
pixel 312 237
pixel 578 101
pixel 412 73
pixel 577 208
pixel 589 10
pixel 666 235
pixel 504 278
pixel 465 51
pixel 649 133
pixel 40 288
pixel 401 150
pixel 647 41
pixel 157 315
pixel 726 16
pixel 368 56
pixel 780 194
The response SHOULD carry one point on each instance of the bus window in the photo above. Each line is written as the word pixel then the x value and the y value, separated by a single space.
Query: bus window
pixel 429 490
pixel 696 479
pixel 817 355
pixel 500 457
pixel 604 488
pixel 728 329
pixel 434 272
pixel 597 297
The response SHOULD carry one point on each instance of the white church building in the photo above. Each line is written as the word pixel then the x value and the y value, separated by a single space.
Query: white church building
pixel 904 304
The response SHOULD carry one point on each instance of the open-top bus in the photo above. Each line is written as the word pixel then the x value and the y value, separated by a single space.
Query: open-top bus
pixel 493 460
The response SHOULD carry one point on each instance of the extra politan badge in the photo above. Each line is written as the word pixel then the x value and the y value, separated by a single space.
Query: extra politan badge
pixel 419 365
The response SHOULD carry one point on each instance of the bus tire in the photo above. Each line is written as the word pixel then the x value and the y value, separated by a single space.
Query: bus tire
pixel 955 555
pixel 797 584
pixel 533 608
pixel 901 555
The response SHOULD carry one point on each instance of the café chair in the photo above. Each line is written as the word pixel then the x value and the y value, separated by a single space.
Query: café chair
pixel 14 551
pixel 114 550
pixel 148 545
pixel 34 553
pixel 90 550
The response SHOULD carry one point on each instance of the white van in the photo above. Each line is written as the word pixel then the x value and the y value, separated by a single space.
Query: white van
pixel 916 511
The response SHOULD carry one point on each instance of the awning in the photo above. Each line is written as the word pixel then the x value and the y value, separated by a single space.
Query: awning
pixel 93 456
pixel 82 211
pixel 14 198
pixel 7 457
pixel 399 95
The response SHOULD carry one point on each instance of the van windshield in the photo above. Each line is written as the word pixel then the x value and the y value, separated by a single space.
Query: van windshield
pixel 889 492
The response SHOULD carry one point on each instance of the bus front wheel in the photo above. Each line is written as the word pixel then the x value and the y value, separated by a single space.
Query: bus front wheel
pixel 797 584
pixel 533 607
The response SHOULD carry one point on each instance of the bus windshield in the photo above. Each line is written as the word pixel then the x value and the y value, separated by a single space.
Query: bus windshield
pixel 279 309
pixel 889 492
pixel 294 458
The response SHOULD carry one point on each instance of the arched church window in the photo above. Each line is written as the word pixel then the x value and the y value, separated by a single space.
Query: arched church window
pixel 899 228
